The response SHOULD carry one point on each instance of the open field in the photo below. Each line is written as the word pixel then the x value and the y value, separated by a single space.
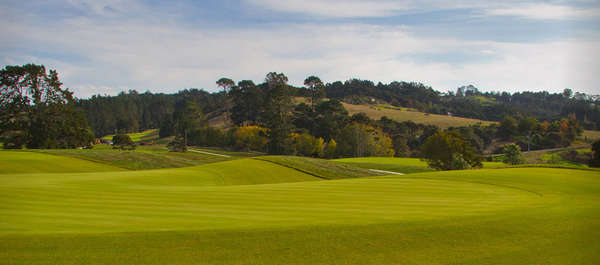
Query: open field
pixel 207 214
pixel 442 121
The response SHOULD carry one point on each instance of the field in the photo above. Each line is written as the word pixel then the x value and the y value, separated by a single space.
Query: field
pixel 251 211
pixel 443 121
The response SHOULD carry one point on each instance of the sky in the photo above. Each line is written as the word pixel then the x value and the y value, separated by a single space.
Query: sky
pixel 107 46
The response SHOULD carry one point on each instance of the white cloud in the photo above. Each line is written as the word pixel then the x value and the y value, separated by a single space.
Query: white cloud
pixel 135 54
pixel 546 11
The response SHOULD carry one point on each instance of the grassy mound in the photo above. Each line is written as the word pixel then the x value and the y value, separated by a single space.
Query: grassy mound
pixel 144 157
pixel 489 216
pixel 12 162
pixel 145 136
pixel 320 168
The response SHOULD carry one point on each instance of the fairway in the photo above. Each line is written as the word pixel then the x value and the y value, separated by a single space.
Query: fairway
pixel 32 162
pixel 188 216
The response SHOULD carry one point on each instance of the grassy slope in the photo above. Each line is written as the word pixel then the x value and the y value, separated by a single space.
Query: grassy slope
pixel 442 121
pixel 147 136
pixel 397 164
pixel 144 157
pixel 490 216
pixel 319 167
pixel 12 162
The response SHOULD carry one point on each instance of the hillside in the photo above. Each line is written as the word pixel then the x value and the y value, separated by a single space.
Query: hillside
pixel 442 121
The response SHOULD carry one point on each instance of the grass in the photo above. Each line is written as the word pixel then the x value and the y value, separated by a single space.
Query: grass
pixel 442 121
pixel 15 162
pixel 144 157
pixel 145 136
pixel 320 168
pixel 489 216
pixel 399 164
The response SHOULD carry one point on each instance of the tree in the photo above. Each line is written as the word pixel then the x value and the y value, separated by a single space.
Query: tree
pixel 508 128
pixel 35 111
pixel 448 151
pixel 595 161
pixel 360 140
pixel 250 138
pixel 316 88
pixel 178 144
pixel 225 84
pixel 512 154
pixel 331 149
pixel 123 142
pixel 278 112
pixel 188 116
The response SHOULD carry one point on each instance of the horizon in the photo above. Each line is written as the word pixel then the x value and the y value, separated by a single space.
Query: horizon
pixel 105 47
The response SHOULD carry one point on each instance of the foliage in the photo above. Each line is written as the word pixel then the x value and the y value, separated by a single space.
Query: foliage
pixel 178 144
pixel 278 112
pixel 358 140
pixel 512 154
pixel 207 136
pixel 331 149
pixel 123 142
pixel 250 138
pixel 448 151
pixel 316 88
pixel 306 145
pixel 595 161
pixel 37 112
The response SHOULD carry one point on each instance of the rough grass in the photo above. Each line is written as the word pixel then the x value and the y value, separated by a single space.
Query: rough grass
pixel 490 216
pixel 12 162
pixel 144 157
pixel 319 167
pixel 442 121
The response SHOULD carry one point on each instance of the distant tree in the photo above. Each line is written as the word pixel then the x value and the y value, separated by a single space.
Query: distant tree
pixel 278 113
pixel 225 84
pixel 448 151
pixel 331 149
pixel 316 88
pixel 508 128
pixel 37 112
pixel 178 144
pixel 360 140
pixel 250 138
pixel 188 116
pixel 512 154
pixel 595 161
pixel 123 142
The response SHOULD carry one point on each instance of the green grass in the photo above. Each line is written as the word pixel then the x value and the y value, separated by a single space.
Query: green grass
pixel 319 167
pixel 489 216
pixel 399 164
pixel 12 162
pixel 144 157
pixel 145 136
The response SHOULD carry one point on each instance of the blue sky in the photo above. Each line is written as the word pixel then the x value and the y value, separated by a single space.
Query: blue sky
pixel 106 46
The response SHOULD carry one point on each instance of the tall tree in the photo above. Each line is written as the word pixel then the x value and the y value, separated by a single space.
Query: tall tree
pixel 448 151
pixel 188 116
pixel 36 111
pixel 278 112
pixel 316 88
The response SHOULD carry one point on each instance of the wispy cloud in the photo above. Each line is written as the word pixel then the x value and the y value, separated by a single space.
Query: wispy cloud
pixel 546 11
pixel 107 53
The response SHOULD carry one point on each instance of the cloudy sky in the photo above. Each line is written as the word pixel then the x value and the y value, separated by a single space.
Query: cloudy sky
pixel 105 46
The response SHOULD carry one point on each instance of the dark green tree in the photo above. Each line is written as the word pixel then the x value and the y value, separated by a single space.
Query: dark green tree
pixel 316 88
pixel 448 151
pixel 123 142
pixel 278 112
pixel 35 111
pixel 178 144
pixel 595 161
pixel 188 116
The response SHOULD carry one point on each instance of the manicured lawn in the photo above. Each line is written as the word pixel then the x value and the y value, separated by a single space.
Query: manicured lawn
pixel 33 162
pixel 321 168
pixel 183 216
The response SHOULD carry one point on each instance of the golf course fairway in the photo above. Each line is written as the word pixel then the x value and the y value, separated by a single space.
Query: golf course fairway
pixel 209 214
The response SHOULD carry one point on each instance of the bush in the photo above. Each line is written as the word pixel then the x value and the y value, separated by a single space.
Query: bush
pixel 123 142
pixel 448 151
pixel 177 144
pixel 512 155
pixel 595 161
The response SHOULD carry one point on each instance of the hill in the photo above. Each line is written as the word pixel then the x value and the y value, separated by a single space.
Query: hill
pixel 16 162
pixel 400 114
